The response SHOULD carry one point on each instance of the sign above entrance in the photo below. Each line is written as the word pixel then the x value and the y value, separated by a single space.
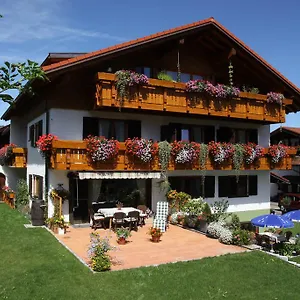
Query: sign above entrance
pixel 119 175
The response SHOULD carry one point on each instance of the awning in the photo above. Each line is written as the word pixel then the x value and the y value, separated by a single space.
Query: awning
pixel 279 178
pixel 119 175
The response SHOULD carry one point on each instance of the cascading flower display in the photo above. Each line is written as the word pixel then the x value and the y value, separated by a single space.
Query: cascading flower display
pixel 100 149
pixel 253 152
pixel 277 153
pixel 44 144
pixel 217 91
pixel 185 152
pixel 143 149
pixel 220 152
pixel 273 97
pixel 6 154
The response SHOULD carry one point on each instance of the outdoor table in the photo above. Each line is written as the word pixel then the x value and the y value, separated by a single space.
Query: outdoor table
pixel 109 212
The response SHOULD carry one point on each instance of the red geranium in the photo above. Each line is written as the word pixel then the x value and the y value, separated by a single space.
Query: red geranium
pixel 44 143
pixel 143 149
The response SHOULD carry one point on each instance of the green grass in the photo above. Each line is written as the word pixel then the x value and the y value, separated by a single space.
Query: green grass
pixel 33 265
pixel 295 259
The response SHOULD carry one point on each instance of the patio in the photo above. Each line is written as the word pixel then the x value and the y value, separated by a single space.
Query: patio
pixel 177 244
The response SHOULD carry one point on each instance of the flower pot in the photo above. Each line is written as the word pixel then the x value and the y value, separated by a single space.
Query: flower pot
pixel 202 226
pixel 37 212
pixel 155 239
pixel 61 231
pixel 55 229
pixel 121 241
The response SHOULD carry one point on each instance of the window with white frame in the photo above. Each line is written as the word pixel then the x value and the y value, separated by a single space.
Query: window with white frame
pixel 36 186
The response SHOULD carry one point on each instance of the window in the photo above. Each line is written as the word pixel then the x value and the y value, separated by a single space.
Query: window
pixel 234 135
pixel 36 186
pixel 231 188
pixel 35 131
pixel 193 186
pixel 118 129
pixel 199 134
pixel 144 70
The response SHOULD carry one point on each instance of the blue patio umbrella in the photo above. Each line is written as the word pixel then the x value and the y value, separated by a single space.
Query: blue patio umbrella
pixel 272 220
pixel 292 215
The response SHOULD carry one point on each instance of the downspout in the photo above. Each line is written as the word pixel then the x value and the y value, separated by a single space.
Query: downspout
pixel 46 165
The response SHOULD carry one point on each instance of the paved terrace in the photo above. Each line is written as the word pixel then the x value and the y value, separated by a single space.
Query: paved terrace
pixel 177 244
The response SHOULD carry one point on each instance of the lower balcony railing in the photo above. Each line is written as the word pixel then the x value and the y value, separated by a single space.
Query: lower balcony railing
pixel 72 155
pixel 14 157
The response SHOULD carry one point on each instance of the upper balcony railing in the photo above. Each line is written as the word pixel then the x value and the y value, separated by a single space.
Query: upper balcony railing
pixel 164 96
pixel 72 155
pixel 13 157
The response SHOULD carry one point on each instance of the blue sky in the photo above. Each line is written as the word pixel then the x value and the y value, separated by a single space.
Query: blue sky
pixel 33 28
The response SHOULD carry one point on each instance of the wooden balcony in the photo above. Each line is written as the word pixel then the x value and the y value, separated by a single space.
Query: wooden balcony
pixel 71 155
pixel 163 96
pixel 18 158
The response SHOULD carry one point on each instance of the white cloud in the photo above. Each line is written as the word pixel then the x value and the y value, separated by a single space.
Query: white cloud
pixel 33 20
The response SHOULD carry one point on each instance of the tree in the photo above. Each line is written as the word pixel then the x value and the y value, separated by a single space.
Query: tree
pixel 18 76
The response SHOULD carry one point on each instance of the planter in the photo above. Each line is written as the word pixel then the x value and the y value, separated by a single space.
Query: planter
pixel 55 229
pixel 37 212
pixel 155 239
pixel 202 226
pixel 121 241
pixel 61 231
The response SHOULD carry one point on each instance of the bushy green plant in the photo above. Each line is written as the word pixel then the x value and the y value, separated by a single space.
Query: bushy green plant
pixel 238 159
pixel 97 252
pixel 235 223
pixel 194 207
pixel 22 193
pixel 164 154
pixel 177 200
pixel 219 211
pixel 164 76
pixel 241 237
pixel 123 233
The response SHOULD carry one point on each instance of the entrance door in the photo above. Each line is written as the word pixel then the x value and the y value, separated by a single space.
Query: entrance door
pixel 79 200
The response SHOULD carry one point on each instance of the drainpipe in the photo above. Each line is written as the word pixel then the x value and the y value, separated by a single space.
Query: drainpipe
pixel 46 167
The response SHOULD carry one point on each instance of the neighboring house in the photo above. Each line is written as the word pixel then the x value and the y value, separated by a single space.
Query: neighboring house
pixel 289 136
pixel 4 135
pixel 81 99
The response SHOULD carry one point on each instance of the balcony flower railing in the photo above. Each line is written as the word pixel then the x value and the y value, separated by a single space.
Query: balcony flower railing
pixel 140 154
pixel 13 156
pixel 194 98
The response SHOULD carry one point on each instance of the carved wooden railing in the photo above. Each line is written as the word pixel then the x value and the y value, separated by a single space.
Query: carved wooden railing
pixel 164 96
pixel 72 155
pixel 18 158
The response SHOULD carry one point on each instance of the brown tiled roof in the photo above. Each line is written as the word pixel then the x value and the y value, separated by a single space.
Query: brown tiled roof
pixel 149 38
pixel 292 129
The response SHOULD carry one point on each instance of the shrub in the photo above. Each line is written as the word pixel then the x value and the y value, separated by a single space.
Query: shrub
pixel 194 207
pixel 164 76
pixel 219 209
pixel 226 236
pixel 214 229
pixel 177 200
pixel 241 237
pixel 22 195
pixel 97 252
pixel 235 223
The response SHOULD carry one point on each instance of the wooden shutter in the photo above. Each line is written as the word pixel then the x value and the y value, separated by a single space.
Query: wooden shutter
pixel 40 187
pixel 90 127
pixel 30 185
pixel 252 136
pixel 209 187
pixel 39 129
pixel 224 186
pixel 134 129
pixel 31 136
pixel 252 185
pixel 209 134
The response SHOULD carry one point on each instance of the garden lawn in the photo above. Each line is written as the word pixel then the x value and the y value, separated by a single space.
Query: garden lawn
pixel 295 259
pixel 33 265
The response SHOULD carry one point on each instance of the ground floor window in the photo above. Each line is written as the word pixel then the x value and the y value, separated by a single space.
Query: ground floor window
pixel 36 186
pixel 193 185
pixel 230 187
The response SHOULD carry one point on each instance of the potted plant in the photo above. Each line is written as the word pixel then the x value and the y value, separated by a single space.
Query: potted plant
pixel 61 225
pixel 155 234
pixel 119 205
pixel 122 235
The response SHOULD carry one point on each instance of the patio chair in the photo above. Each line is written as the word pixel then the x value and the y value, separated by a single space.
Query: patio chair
pixel 119 219
pixel 288 235
pixel 97 220
pixel 133 219
pixel 143 215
